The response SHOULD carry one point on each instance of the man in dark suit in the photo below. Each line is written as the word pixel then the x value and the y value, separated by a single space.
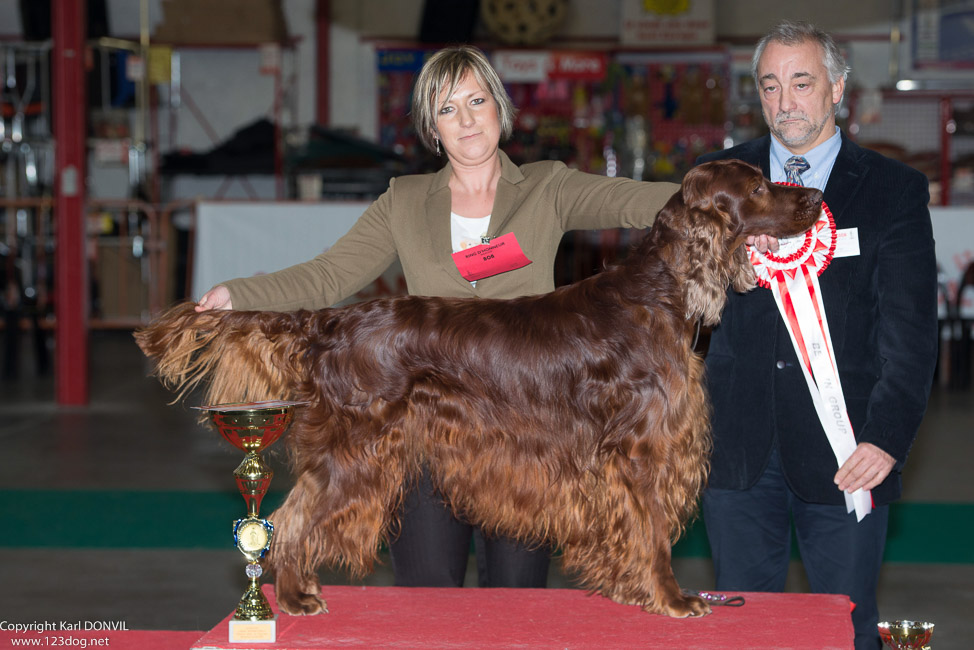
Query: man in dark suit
pixel 772 458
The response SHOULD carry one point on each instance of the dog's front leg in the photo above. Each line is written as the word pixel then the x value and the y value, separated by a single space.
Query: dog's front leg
pixel 638 571
pixel 630 562
pixel 668 598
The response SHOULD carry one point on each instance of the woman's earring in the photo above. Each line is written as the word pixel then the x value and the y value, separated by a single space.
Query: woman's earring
pixel 437 146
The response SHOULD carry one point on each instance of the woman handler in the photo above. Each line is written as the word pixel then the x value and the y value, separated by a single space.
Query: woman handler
pixel 460 109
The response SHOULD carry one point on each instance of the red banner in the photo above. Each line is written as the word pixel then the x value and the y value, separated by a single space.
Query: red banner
pixel 580 66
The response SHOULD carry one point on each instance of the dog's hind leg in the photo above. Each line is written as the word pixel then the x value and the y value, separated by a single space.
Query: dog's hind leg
pixel 340 508
pixel 291 557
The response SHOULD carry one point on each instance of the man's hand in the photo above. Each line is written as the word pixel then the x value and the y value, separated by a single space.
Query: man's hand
pixel 867 467
pixel 763 243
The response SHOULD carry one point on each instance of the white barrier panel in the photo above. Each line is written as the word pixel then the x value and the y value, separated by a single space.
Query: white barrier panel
pixel 242 239
pixel 953 231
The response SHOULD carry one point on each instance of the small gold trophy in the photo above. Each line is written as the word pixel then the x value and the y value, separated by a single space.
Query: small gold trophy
pixel 252 428
pixel 901 635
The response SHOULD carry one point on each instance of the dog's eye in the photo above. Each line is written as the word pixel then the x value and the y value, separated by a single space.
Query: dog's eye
pixel 757 189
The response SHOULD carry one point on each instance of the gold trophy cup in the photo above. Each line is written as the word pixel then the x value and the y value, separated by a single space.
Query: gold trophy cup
pixel 901 635
pixel 252 428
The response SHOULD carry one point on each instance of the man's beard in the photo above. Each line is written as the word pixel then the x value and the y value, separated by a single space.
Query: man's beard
pixel 807 132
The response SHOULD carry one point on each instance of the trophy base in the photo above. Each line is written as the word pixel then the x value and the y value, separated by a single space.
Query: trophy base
pixel 253 631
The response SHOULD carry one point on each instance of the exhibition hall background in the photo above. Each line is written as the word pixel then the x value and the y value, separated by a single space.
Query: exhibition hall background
pixel 151 149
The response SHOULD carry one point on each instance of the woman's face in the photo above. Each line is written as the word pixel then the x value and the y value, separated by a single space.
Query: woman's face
pixel 467 123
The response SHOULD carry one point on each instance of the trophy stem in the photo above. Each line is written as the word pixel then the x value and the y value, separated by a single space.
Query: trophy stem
pixel 253 480
pixel 253 604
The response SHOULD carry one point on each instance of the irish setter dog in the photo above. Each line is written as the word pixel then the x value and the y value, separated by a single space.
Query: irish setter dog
pixel 576 418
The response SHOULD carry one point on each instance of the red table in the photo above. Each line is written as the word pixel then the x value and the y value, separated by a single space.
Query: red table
pixel 377 617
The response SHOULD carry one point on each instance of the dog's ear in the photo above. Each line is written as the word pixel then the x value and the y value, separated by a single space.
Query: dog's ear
pixel 705 265
pixel 742 271
pixel 739 268
pixel 716 257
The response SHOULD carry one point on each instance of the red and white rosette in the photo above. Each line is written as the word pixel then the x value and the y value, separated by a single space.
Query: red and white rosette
pixel 792 276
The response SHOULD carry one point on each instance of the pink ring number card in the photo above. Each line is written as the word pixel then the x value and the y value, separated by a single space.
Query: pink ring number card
pixel 502 254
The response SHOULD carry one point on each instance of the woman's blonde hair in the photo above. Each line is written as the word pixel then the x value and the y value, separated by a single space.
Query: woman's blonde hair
pixel 445 70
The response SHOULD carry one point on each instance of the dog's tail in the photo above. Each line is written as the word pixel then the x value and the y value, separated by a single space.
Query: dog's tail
pixel 229 352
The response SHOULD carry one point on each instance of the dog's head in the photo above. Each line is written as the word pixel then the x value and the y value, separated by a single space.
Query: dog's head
pixel 719 206
pixel 748 203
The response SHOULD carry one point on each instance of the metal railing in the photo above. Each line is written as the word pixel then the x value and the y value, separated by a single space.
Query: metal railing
pixel 130 249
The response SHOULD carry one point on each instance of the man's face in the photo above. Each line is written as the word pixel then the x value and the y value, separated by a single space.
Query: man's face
pixel 797 99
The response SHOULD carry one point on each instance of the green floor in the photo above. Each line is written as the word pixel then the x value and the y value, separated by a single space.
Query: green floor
pixel 919 532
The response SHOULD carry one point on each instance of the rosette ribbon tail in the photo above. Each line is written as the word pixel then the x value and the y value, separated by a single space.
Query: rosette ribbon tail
pixel 793 280
pixel 799 300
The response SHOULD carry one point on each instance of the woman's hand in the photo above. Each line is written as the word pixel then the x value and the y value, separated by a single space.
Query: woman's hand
pixel 216 298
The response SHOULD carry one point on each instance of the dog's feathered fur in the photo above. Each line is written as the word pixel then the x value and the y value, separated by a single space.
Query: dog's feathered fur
pixel 577 418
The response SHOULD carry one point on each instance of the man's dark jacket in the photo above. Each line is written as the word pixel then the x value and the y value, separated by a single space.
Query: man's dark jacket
pixel 882 312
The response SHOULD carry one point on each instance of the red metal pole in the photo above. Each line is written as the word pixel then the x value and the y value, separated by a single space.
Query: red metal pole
pixel 68 26
pixel 322 44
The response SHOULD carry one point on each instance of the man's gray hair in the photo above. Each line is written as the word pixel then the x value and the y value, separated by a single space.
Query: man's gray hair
pixel 794 33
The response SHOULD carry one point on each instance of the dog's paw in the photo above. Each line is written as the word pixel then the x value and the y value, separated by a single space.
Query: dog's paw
pixel 299 595
pixel 302 604
pixel 685 606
